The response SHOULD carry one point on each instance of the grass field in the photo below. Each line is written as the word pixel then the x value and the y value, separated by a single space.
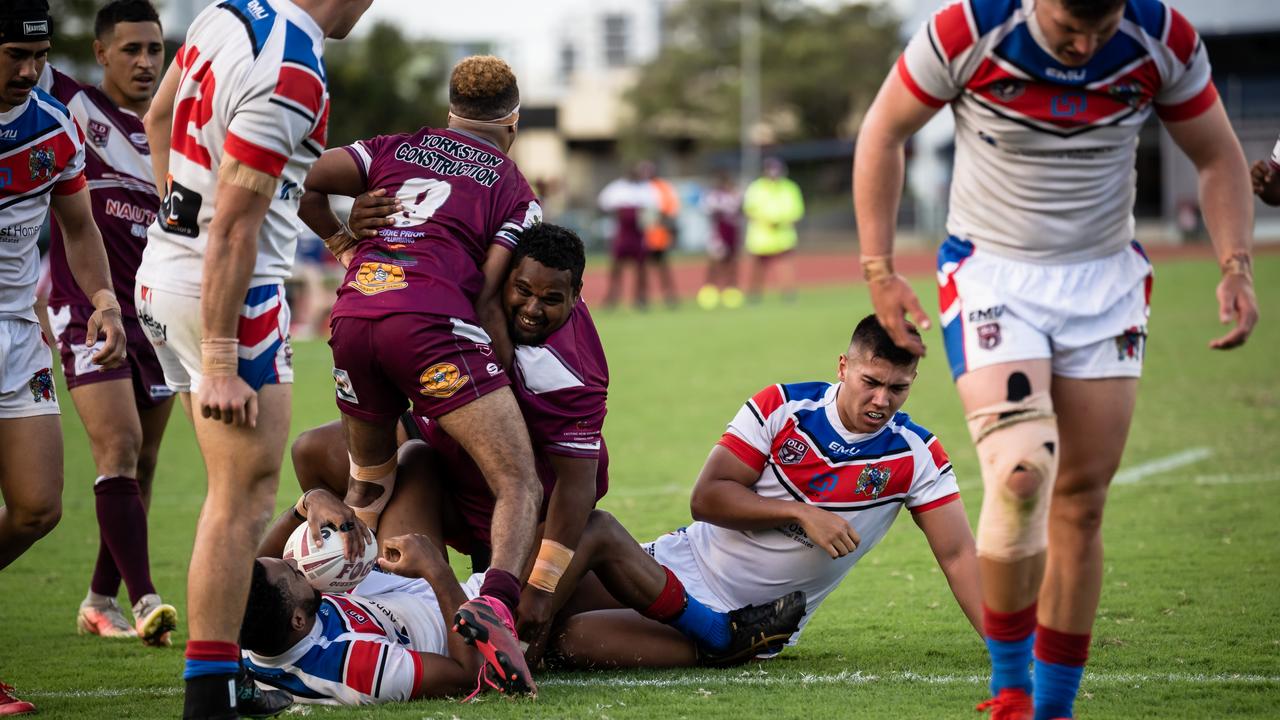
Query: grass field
pixel 1190 619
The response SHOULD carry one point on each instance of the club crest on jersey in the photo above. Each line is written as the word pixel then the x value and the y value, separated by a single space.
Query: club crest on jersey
pixel 41 386
pixel 872 480
pixel 1130 93
pixel 40 163
pixel 99 133
pixel 442 380
pixel 792 451
pixel 989 335
pixel 1008 90
pixel 375 277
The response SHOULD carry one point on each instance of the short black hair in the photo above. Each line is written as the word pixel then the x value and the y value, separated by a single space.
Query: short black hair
pixel 555 246
pixel 265 628
pixel 870 336
pixel 1091 9
pixel 118 11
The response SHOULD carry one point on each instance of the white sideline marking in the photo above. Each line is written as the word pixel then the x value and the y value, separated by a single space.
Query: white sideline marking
pixel 764 678
pixel 1160 465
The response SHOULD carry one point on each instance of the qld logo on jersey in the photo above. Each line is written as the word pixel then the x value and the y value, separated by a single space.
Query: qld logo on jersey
pixel 792 451
pixel 873 480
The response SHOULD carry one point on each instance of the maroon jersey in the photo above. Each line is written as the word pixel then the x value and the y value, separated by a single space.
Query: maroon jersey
pixel 562 387
pixel 121 188
pixel 460 195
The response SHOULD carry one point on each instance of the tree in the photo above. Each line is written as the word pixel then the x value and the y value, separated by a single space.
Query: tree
pixel 820 69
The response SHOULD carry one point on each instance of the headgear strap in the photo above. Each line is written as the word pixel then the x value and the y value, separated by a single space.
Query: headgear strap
pixel 507 121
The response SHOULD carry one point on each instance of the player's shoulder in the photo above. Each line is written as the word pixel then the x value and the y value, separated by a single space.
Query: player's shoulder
pixel 771 398
pixel 47 104
pixel 1164 25
pixel 903 425
pixel 971 19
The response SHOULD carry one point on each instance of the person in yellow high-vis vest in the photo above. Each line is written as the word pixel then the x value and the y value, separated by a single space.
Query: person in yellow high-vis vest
pixel 773 205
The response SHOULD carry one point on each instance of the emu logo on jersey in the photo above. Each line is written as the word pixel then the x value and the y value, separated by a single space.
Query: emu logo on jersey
pixel 442 380
pixel 873 480
pixel 41 386
pixel 40 162
pixel 792 451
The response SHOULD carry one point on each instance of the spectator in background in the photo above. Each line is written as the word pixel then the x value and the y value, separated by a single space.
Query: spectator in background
pixel 629 199
pixel 723 206
pixel 773 205
pixel 660 233
pixel 1266 178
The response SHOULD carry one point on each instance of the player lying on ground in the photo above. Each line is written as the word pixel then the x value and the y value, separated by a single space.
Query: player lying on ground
pixel 388 640
pixel 805 482
pixel 417 323
pixel 124 410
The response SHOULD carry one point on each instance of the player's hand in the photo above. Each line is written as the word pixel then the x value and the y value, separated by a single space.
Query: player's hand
pixel 373 210
pixel 1266 182
pixel 533 621
pixel 324 508
pixel 229 399
pixel 411 555
pixel 1237 301
pixel 893 299
pixel 108 322
pixel 829 531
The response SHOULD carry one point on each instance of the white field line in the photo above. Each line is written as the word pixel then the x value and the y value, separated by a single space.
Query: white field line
pixel 762 679
pixel 1128 476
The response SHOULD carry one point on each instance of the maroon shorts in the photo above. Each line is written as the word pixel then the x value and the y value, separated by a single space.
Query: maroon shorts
pixel 431 363
pixel 141 365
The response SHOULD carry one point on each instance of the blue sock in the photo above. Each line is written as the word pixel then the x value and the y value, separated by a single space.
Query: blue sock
pixel 1010 663
pixel 200 668
pixel 1056 688
pixel 707 626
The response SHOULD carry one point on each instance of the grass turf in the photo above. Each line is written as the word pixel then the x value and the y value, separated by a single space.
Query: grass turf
pixel 1189 625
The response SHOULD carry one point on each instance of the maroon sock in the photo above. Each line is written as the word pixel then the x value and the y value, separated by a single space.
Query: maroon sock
pixel 502 585
pixel 122 521
pixel 106 578
pixel 670 601
pixel 1059 648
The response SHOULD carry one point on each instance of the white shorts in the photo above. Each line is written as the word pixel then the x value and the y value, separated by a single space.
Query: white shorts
pixel 173 325
pixel 1088 318
pixel 26 381
pixel 674 552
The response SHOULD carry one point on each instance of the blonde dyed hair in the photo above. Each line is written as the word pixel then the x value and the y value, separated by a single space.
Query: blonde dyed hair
pixel 483 87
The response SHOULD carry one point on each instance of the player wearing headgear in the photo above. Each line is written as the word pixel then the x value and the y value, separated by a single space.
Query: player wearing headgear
pixel 42 166
pixel 1043 290
pixel 124 410
pixel 418 320
pixel 239 118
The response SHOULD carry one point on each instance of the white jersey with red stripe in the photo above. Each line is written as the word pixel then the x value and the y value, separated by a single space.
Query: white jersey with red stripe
pixel 793 436
pixel 41 153
pixel 1275 156
pixel 252 87
pixel 1045 152
pixel 364 647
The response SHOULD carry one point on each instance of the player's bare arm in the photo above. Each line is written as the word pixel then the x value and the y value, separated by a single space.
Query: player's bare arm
pixel 1210 143
pixel 158 123
pixel 878 171
pixel 723 496
pixel 947 529
pixel 335 173
pixel 497 265
pixel 228 266
pixel 415 556
pixel 571 503
pixel 88 260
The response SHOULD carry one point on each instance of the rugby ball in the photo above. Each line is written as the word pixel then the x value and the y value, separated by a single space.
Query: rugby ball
pixel 325 567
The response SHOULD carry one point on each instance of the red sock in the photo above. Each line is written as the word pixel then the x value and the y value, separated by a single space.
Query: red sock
pixel 670 601
pixel 213 651
pixel 1059 648
pixel 1011 626
pixel 122 524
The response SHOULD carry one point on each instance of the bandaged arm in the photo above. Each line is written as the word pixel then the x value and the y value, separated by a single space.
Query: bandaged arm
pixel 571 502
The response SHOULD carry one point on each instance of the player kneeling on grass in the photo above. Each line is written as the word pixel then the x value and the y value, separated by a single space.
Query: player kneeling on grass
pixel 807 479
pixel 388 640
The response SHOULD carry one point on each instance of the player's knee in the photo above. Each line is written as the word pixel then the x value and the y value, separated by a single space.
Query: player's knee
pixel 603 532
pixel 147 461
pixel 1017 443
pixel 1079 508
pixel 307 452
pixel 119 453
pixel 37 520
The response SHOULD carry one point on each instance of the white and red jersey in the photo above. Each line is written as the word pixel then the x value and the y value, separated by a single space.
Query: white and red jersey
pixel 793 436
pixel 41 152
pixel 253 87
pixel 364 647
pixel 1045 152
pixel 1275 156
